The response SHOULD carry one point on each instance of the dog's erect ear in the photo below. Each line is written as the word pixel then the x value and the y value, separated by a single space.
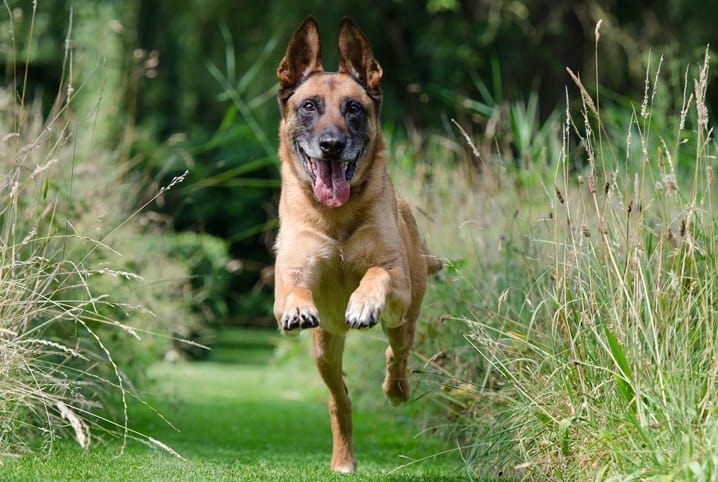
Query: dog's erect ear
pixel 303 57
pixel 357 59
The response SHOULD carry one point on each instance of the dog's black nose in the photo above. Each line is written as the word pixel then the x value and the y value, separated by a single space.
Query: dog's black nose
pixel 332 144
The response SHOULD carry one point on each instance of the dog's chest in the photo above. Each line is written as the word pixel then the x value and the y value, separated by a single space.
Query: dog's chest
pixel 337 280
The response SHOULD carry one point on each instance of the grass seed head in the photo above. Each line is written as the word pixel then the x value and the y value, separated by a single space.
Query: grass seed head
pixel 559 195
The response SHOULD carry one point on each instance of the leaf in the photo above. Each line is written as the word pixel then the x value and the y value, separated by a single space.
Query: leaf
pixel 619 357
pixel 563 436
pixel 454 266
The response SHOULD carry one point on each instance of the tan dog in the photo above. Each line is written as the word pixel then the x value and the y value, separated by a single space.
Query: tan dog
pixel 349 253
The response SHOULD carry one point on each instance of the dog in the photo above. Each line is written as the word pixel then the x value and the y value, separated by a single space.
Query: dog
pixel 348 251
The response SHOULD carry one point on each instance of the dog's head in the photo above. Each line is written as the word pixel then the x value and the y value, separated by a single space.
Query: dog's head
pixel 329 119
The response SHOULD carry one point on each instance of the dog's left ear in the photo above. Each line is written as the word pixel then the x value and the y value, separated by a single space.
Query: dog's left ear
pixel 356 57
pixel 302 59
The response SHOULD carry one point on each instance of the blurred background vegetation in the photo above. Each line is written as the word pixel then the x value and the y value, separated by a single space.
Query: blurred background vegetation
pixel 192 85
pixel 115 99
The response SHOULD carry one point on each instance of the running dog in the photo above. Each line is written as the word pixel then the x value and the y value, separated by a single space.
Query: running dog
pixel 348 252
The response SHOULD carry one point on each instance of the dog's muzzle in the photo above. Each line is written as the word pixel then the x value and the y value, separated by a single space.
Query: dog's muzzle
pixel 330 176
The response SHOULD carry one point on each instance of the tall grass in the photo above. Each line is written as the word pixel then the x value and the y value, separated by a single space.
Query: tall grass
pixel 79 269
pixel 582 341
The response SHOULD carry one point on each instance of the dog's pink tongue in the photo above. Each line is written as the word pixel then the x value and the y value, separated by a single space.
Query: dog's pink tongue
pixel 331 187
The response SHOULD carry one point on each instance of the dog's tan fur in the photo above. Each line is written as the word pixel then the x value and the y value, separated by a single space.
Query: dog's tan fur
pixel 354 264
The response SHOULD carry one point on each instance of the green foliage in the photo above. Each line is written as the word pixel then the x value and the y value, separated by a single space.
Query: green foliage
pixel 60 325
pixel 192 86
pixel 207 262
pixel 88 300
pixel 231 191
pixel 591 345
pixel 579 287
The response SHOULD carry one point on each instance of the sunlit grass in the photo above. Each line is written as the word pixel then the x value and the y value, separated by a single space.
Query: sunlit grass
pixel 580 340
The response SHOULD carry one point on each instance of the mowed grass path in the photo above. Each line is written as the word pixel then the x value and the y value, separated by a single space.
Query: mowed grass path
pixel 247 421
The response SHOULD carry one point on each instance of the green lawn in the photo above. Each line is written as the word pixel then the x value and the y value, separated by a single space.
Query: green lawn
pixel 240 421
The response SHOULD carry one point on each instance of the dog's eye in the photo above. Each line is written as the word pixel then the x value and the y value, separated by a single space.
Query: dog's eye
pixel 354 109
pixel 309 106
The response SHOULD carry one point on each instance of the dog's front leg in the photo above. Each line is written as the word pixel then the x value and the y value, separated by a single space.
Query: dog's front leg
pixel 328 352
pixel 295 275
pixel 380 289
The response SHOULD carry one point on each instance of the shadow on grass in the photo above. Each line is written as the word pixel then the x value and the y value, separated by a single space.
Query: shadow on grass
pixel 245 346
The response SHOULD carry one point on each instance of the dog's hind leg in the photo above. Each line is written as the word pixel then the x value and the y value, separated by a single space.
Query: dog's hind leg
pixel 328 352
pixel 401 338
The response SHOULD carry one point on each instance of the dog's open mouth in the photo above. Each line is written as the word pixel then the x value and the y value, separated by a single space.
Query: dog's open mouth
pixel 330 178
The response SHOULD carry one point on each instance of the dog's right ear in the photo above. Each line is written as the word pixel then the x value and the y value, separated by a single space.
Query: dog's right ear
pixel 303 58
pixel 357 59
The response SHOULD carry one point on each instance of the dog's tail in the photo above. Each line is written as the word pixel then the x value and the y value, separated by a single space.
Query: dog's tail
pixel 433 263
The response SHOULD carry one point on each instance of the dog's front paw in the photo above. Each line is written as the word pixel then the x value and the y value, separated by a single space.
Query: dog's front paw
pixel 297 311
pixel 364 310
pixel 299 317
